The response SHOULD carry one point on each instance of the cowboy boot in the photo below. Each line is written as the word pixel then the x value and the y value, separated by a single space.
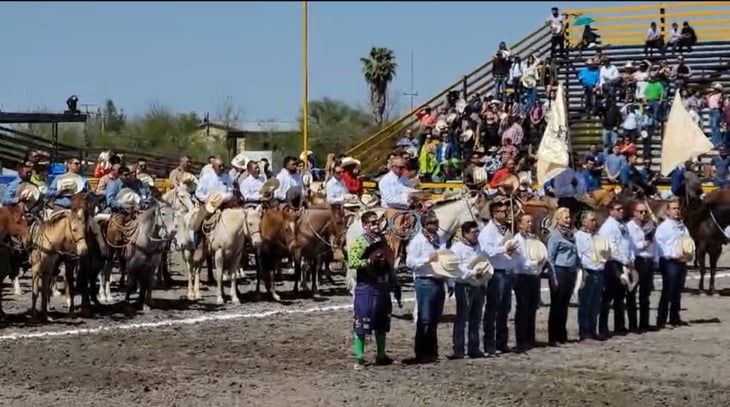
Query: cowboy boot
pixel 197 225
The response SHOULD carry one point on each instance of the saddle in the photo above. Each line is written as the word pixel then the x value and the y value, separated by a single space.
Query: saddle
pixel 115 227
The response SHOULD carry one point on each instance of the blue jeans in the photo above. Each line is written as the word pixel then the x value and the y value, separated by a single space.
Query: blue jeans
pixel 589 303
pixel 610 138
pixel 430 298
pixel 674 273
pixel 500 85
pixel 496 311
pixel 715 134
pixel 529 98
pixel 655 107
pixel 559 302
pixel 469 305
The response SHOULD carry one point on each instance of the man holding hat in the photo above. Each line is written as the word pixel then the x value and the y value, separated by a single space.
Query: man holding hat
pixel 215 185
pixel 590 296
pixel 672 264
pixel 375 277
pixel 252 185
pixel 291 187
pixel 10 195
pixel 527 268
pixel 125 179
pixel 67 184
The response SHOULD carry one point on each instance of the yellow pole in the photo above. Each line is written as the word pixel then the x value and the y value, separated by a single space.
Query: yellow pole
pixel 305 80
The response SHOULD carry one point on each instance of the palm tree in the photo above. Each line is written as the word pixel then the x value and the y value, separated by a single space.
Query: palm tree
pixel 379 69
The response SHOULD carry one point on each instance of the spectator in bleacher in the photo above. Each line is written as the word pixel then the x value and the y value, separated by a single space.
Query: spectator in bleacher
pixel 492 161
pixel 500 71
pixel 626 146
pixel 589 77
pixel 444 150
pixel 514 132
pixel 589 39
pixel 714 104
pixel 591 180
pixel 609 78
pixel 614 163
pixel 516 70
pixel 721 166
pixel 500 174
pixel 630 123
pixel 725 121
pixel 654 40
pixel 611 120
pixel 641 79
pixel 681 73
pixel 548 75
pixel 654 94
pixel 557 34
pixel 675 35
pixel 529 83
pixel 689 37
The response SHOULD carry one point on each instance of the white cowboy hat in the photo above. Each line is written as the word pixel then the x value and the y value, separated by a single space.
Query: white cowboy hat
pixel 348 161
pixel 535 250
pixel 239 161
pixel 28 192
pixel 447 264
pixel 479 175
pixel 441 125
pixel 524 178
pixel 601 248
pixel 70 182
pixel 529 81
pixel 269 186
pixel 451 117
pixel 305 154
pixel 510 180
pixel 368 200
pixel 146 179
pixel 128 197
pixel 214 201
pixel 188 178
pixel 467 135
pixel 351 201
pixel 629 277
pixel 460 105
pixel 686 248
pixel 482 267
pixel 717 86
pixel 307 178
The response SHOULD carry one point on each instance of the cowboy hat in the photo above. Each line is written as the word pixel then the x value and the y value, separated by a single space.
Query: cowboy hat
pixel 305 154
pixel 348 161
pixel 451 117
pixel 524 178
pixel 70 183
pixel 461 105
pixel 307 178
pixel 239 161
pixel 441 125
pixel 510 181
pixel 629 277
pixel 686 248
pixel 269 186
pixel 146 179
pixel 447 264
pixel 368 200
pixel 467 135
pixel 482 269
pixel 28 192
pixel 479 175
pixel 351 201
pixel 601 248
pixel 529 81
pixel 214 201
pixel 188 178
pixel 535 250
pixel 128 197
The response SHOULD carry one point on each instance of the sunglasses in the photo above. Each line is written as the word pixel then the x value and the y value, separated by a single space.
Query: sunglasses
pixel 75 163
pixel 640 211
pixel 372 222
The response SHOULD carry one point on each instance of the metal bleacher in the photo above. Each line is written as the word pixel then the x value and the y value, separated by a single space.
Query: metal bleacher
pixel 623 43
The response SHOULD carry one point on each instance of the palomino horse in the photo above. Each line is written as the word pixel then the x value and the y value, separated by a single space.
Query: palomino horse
pixel 183 205
pixel 14 236
pixel 63 234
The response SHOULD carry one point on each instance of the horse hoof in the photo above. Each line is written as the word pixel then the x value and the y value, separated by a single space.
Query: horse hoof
pixel 146 308
pixel 275 297
pixel 235 301
pixel 219 301
pixel 190 296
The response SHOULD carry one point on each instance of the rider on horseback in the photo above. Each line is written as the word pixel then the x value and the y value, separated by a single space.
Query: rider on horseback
pixel 214 182
pixel 122 207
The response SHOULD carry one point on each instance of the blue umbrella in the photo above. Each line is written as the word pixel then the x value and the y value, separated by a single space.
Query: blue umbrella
pixel 583 20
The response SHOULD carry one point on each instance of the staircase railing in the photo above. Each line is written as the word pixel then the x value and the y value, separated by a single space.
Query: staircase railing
pixel 479 80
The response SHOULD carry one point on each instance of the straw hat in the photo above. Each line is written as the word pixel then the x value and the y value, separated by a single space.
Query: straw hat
pixel 239 161
pixel 305 154
pixel 447 264
pixel 467 135
pixel 368 200
pixel 451 117
pixel 307 178
pixel 128 197
pixel 441 125
pixel 479 175
pixel 601 248
pixel 214 201
pixel 524 178
pixel 28 192
pixel 510 181
pixel 535 250
pixel 348 161
pixel 686 248
pixel 146 179
pixel 461 105
pixel 483 269
pixel 529 81
pixel 351 201
pixel 70 183
pixel 188 178
pixel 269 186
pixel 629 277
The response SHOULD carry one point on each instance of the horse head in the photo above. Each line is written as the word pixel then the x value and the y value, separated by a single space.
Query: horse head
pixel 14 224
pixel 253 225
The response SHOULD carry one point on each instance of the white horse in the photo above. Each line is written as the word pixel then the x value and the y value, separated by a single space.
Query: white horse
pixel 183 205
pixel 226 242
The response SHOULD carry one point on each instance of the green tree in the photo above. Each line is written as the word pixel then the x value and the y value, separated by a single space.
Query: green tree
pixel 379 68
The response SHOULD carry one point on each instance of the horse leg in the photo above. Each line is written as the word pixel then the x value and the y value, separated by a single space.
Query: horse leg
pixel 144 301
pixel 715 251
pixel 105 283
pixel 233 272
pixel 700 258
pixel 219 277
pixel 16 280
pixel 295 261
pixel 45 293
pixel 209 264
pixel 69 267
pixel 190 271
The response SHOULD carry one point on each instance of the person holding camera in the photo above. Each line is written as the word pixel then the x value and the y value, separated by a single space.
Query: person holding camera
pixel 372 259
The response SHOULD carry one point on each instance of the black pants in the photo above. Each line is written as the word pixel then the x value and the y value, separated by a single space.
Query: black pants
pixel 645 268
pixel 674 274
pixel 559 303
pixel 527 293
pixel 557 41
pixel 614 294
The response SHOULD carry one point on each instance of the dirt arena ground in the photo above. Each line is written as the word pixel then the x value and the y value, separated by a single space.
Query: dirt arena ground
pixel 299 353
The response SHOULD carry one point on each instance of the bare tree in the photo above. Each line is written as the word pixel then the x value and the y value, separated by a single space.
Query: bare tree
pixel 227 113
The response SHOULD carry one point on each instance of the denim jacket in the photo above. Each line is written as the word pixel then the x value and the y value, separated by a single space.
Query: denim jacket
pixel 562 251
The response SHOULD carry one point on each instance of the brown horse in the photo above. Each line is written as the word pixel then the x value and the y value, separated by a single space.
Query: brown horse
pixel 14 237
pixel 277 236
pixel 62 235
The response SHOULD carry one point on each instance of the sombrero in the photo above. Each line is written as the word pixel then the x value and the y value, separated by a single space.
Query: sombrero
pixel 128 197
pixel 524 178
pixel 447 264
pixel 482 268
pixel 146 179
pixel 368 200
pixel 305 154
pixel 510 181
pixel 629 277
pixel 601 248
pixel 269 186
pixel 467 135
pixel 28 192
pixel 535 250
pixel 686 248
pixel 451 117
pixel 188 178
pixel 479 175
pixel 351 201
pixel 441 125
pixel 214 201
pixel 307 178
pixel 239 161
pixel 348 161
pixel 70 183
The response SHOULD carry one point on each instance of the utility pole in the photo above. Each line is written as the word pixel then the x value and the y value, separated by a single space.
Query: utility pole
pixel 412 93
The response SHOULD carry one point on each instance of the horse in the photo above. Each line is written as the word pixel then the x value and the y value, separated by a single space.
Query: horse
pixel 14 237
pixel 277 238
pixel 62 234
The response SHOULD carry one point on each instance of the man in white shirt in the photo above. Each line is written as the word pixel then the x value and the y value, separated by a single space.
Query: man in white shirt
pixel 250 187
pixel 590 296
pixel 609 77
pixel 335 189
pixel 642 229
pixel 654 40
pixel 393 186
pixel 214 181
pixel 622 254
pixel 291 188
pixel 492 240
pixel 526 286
pixel 672 266
pixel 556 23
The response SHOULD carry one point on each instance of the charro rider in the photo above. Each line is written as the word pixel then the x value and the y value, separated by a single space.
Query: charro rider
pixel 291 188
pixel 122 207
pixel 567 186
pixel 176 175
pixel 67 184
pixel 251 186
pixel 142 174
pixel 214 186
pixel 18 190
pixel 375 278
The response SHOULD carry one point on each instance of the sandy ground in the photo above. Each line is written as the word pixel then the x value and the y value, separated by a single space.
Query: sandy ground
pixel 264 354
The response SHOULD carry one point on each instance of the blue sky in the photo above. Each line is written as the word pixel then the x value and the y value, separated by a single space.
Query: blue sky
pixel 190 56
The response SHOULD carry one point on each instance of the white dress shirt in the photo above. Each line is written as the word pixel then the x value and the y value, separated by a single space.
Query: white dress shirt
pixel 466 253
pixel 491 242
pixel 287 181
pixel 666 237
pixel 523 265
pixel 618 237
pixel 417 253
pixel 586 253
pixel 250 187
pixel 335 191
pixel 608 74
pixel 394 191
pixel 211 182
pixel 644 249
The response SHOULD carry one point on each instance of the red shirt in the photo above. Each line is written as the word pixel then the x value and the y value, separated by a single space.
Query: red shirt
pixel 100 171
pixel 498 175
pixel 354 185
